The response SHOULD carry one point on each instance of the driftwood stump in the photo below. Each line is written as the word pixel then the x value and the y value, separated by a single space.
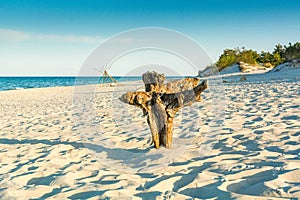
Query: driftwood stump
pixel 160 102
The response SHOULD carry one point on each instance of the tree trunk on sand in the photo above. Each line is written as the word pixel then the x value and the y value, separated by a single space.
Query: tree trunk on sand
pixel 160 102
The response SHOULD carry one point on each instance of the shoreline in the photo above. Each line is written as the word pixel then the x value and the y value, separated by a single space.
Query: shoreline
pixel 52 81
pixel 231 78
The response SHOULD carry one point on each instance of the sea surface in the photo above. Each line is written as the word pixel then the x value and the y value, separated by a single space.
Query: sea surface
pixel 15 83
pixel 18 83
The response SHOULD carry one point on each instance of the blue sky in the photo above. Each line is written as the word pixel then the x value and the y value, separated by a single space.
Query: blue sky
pixel 55 37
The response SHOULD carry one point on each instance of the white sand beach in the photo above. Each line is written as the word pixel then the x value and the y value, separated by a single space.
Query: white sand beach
pixel 255 154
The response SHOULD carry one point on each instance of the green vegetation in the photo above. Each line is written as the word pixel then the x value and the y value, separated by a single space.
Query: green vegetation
pixel 227 58
pixel 231 56
pixel 267 59
pixel 291 52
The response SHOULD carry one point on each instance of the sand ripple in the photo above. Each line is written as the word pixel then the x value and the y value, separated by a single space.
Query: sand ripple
pixel 256 153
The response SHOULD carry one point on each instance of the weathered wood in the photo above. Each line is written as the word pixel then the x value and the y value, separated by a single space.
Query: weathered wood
pixel 153 81
pixel 161 102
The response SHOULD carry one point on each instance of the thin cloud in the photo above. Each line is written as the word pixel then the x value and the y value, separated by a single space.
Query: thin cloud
pixel 15 36
pixel 67 38
pixel 7 35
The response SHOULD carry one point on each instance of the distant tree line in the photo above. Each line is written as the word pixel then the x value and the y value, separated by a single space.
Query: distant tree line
pixel 279 55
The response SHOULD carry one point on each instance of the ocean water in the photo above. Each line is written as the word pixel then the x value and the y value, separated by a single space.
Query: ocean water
pixel 15 83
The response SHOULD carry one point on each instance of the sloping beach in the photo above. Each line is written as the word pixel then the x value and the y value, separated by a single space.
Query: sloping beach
pixel 256 153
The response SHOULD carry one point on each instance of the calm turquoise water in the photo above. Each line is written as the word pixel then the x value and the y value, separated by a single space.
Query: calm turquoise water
pixel 13 83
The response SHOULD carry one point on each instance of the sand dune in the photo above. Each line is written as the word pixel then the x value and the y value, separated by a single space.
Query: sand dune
pixel 46 153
